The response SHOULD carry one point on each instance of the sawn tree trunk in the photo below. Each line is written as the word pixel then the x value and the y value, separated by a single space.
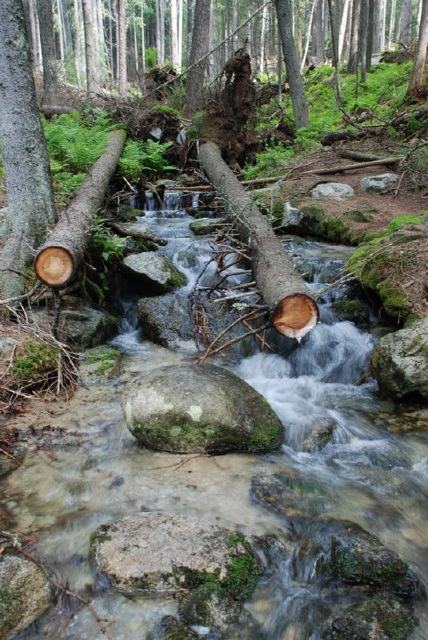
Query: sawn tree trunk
pixel 294 311
pixel 58 259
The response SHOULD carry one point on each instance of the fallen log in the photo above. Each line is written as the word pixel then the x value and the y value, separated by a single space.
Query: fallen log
pixel 346 135
pixel 359 157
pixel 138 231
pixel 59 257
pixel 294 311
pixel 50 110
pixel 351 167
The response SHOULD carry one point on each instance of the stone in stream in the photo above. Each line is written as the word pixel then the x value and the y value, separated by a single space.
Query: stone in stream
pixel 154 271
pixel 155 553
pixel 378 184
pixel 320 435
pixel 164 320
pixel 207 226
pixel 399 361
pixel 24 594
pixel 382 617
pixel 197 408
pixel 332 190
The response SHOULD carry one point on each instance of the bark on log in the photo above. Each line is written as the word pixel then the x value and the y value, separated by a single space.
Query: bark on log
pixel 50 110
pixel 346 135
pixel 294 311
pixel 142 233
pixel 359 157
pixel 59 257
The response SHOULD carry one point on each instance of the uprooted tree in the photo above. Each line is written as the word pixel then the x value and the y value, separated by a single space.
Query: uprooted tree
pixel 31 208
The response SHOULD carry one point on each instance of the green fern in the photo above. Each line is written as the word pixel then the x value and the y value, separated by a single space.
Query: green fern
pixel 144 160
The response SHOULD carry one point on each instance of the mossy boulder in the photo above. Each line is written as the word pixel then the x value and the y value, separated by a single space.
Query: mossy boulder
pixel 153 271
pixel 352 310
pixel 25 594
pixel 383 617
pixel 80 325
pixel 165 320
pixel 206 226
pixel 102 362
pixel 399 360
pixel 158 554
pixel 320 435
pixel 358 557
pixel 129 214
pixel 192 408
pixel 209 606
pixel 389 265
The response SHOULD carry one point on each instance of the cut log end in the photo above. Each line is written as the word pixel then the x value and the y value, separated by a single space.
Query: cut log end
pixel 295 316
pixel 55 266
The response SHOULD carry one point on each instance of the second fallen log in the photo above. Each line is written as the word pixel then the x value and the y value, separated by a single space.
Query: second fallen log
pixel 59 257
pixel 294 311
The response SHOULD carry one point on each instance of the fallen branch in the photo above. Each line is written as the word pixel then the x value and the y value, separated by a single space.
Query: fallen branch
pixel 351 167
pixel 359 157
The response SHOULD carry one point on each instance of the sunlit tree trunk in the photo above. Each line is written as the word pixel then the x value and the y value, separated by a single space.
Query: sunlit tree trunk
pixel 342 29
pixel 353 44
pixel 143 40
pixel 308 32
pixel 35 36
pixel 174 33
pixel 418 77
pixel 90 55
pixel 392 23
pixel 318 32
pixel 362 37
pixel 180 32
pixel 298 100
pixel 122 48
pixel 31 209
pixel 263 38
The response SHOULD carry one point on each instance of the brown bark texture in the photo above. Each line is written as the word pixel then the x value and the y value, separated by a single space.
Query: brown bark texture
pixel 58 259
pixel 294 311
pixel 417 79
pixel 200 44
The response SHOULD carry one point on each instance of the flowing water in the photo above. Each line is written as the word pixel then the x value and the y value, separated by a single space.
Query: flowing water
pixel 86 468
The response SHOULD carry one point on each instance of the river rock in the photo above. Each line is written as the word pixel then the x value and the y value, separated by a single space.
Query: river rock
pixel 154 271
pixel 158 554
pixel 399 360
pixel 358 557
pixel 209 607
pixel 206 226
pixel 332 190
pixel 24 594
pixel 102 362
pixel 192 408
pixel 383 617
pixel 378 184
pixel 320 435
pixel 164 320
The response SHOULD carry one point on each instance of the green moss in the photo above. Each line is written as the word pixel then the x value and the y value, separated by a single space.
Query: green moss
pixel 163 108
pixel 243 571
pixel 399 222
pixel 34 360
pixel 130 213
pixel 99 536
pixel 265 437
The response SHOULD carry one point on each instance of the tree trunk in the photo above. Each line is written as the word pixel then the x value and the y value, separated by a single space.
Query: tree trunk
pixel 405 33
pixel 50 80
pixel 31 209
pixel 362 37
pixel 392 23
pixel 342 30
pixel 294 312
pixel 122 49
pixel 353 46
pixel 298 100
pixel 174 34
pixel 417 79
pixel 308 32
pixel 318 37
pixel 35 37
pixel 200 42
pixel 370 34
pixel 91 63
pixel 58 259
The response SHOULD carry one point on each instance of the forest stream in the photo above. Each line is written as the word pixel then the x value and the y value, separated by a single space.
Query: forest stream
pixel 91 471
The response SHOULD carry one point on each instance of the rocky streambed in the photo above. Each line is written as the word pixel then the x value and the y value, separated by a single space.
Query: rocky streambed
pixel 311 527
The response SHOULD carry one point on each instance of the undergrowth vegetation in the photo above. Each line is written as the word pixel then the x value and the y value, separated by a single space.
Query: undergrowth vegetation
pixel 375 101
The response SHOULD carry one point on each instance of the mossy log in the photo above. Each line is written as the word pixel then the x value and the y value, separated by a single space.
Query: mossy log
pixel 294 311
pixel 58 259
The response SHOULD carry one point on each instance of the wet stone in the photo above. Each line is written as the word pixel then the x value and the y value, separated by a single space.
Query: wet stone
pixel 193 408
pixel 319 437
pixel 154 271
pixel 207 226
pixel 24 595
pixel 158 554
pixel 399 360
pixel 165 320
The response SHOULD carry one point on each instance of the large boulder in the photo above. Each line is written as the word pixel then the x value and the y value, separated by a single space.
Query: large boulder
pixel 154 271
pixel 383 617
pixel 398 361
pixel 24 595
pixel 378 184
pixel 155 554
pixel 191 408
pixel 165 320
pixel 332 190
